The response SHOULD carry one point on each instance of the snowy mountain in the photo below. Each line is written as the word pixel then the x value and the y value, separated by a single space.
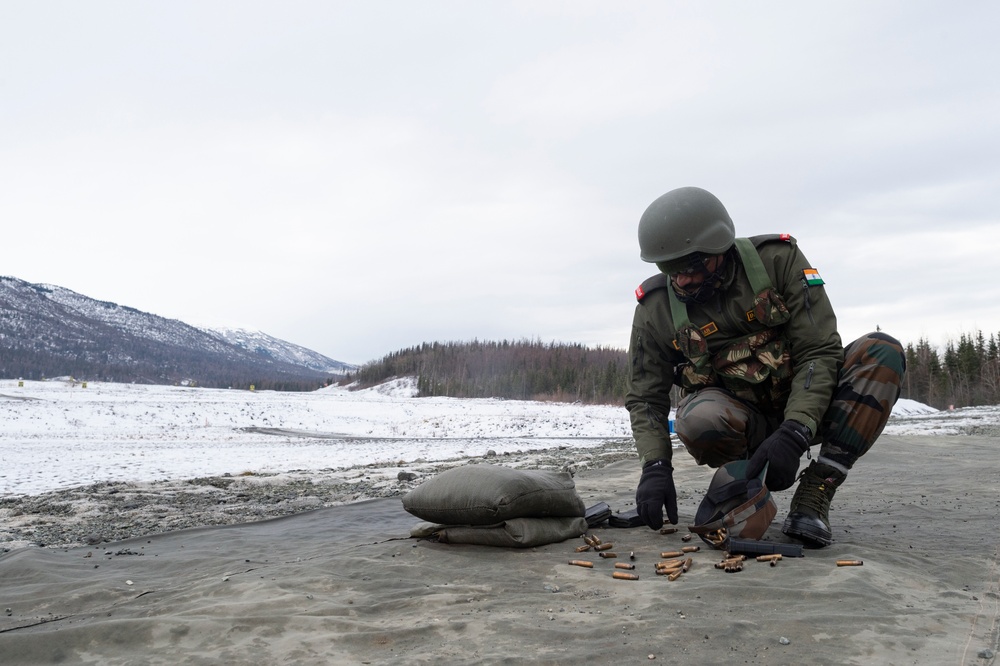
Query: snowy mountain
pixel 49 331
pixel 268 346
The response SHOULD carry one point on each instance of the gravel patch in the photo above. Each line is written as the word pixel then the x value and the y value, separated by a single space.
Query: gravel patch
pixel 114 511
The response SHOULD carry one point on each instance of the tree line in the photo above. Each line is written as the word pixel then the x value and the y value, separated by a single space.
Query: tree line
pixel 966 373
pixel 517 370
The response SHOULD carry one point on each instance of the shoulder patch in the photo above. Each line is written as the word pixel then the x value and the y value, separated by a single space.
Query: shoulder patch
pixel 812 277
pixel 653 283
pixel 770 238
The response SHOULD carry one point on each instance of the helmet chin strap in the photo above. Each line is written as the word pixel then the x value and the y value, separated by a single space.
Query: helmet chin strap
pixel 704 291
pixel 707 288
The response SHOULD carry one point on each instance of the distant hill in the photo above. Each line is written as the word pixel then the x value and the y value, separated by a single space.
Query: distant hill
pixel 49 331
pixel 267 346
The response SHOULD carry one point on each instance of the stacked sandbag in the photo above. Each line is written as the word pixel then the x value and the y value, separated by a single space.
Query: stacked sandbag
pixel 493 505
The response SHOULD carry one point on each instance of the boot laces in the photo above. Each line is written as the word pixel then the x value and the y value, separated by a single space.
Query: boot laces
pixel 814 492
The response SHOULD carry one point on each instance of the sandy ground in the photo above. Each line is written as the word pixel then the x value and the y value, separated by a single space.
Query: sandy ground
pixel 346 584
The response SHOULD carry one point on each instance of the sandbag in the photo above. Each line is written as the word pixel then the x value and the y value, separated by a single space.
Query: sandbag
pixel 513 533
pixel 485 495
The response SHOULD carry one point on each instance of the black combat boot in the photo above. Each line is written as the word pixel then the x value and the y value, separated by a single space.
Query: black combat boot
pixel 809 513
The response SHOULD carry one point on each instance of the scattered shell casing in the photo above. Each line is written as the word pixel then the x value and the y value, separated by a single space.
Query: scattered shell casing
pixel 686 537
pixel 774 563
pixel 690 549
pixel 604 546
pixel 670 564
pixel 687 564
pixel 850 563
pixel 667 530
pixel 674 575
pixel 731 562
pixel 624 565
pixel 769 558
pixel 717 538
pixel 596 539
pixel 582 563
pixel 672 553
pixel 631 555
pixel 621 575
pixel 582 549
pixel 606 554
pixel 733 568
pixel 589 540
pixel 665 572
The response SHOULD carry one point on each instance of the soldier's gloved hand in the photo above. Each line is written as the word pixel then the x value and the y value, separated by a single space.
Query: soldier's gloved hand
pixel 782 450
pixel 656 490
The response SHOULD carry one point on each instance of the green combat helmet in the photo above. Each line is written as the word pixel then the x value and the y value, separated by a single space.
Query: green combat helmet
pixel 682 222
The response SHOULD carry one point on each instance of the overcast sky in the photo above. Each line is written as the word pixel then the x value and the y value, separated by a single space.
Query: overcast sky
pixel 360 177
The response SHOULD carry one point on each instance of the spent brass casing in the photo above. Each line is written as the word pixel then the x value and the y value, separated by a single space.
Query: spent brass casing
pixel 582 549
pixel 604 546
pixel 582 563
pixel 621 575
pixel 606 554
pixel 690 549
pixel 731 562
pixel 667 530
pixel 687 564
pixel 849 563
pixel 624 565
pixel 672 553
pixel 769 558
pixel 686 537
pixel 675 574
pixel 669 564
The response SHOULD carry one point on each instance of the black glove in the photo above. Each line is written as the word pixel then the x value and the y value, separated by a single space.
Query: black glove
pixel 782 450
pixel 656 489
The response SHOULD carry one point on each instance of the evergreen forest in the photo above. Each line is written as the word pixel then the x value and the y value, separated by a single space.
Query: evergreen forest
pixel 965 373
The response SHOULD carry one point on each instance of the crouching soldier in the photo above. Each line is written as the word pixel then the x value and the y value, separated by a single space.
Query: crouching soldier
pixel 745 328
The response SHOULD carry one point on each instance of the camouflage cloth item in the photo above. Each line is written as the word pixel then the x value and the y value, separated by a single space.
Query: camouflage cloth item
pixel 717 427
pixel 868 387
pixel 742 507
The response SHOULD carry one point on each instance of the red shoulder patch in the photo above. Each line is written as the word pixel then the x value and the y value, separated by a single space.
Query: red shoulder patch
pixel 785 237
pixel 639 293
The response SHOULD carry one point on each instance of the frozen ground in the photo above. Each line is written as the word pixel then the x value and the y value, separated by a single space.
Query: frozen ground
pixel 113 461
pixel 58 434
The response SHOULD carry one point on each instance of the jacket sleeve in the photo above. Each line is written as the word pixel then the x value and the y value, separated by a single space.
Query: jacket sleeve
pixel 651 375
pixel 817 351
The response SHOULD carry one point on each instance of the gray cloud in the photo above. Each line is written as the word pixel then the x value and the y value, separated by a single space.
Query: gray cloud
pixel 362 177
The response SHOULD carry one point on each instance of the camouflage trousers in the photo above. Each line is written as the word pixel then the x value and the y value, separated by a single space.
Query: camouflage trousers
pixel 716 427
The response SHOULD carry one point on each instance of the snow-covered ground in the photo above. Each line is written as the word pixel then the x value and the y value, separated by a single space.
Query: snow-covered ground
pixel 58 433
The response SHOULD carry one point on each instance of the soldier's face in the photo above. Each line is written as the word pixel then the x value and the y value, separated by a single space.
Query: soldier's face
pixel 692 278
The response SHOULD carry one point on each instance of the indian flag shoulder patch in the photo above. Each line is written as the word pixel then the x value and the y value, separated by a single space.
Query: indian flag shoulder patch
pixel 812 277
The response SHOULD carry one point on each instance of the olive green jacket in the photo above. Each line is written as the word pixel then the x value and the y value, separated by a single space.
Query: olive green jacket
pixel 816 350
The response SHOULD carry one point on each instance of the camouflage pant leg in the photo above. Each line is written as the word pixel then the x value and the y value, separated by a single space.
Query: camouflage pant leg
pixel 716 428
pixel 868 387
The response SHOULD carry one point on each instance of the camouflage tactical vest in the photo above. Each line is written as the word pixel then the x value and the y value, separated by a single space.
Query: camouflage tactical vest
pixel 757 367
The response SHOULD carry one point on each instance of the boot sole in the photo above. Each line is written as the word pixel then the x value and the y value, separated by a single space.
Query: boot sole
pixel 807 534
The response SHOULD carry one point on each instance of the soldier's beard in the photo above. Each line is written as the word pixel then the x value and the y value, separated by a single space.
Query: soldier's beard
pixel 702 293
